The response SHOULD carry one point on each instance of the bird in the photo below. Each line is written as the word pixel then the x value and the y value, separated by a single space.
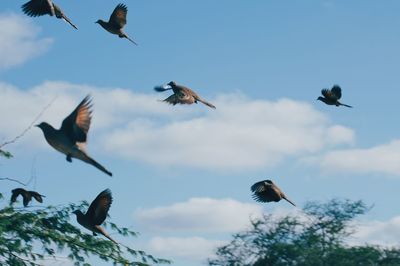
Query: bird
pixel 332 96
pixel 26 195
pixel 96 214
pixel 267 191
pixel 182 95
pixel 71 138
pixel 36 8
pixel 117 22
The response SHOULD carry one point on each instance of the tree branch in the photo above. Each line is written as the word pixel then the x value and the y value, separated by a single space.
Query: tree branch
pixel 30 125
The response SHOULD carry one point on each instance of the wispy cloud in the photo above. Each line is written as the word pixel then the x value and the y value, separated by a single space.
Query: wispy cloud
pixel 19 40
pixel 199 215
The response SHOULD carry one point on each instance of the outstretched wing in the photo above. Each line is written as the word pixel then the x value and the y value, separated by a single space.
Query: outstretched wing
pixel 337 91
pixel 98 209
pixel 35 8
pixel 260 192
pixel 118 16
pixel 77 124
pixel 15 193
pixel 328 94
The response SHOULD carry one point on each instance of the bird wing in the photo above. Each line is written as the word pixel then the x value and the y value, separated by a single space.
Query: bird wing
pixel 328 94
pixel 35 8
pixel 15 193
pixel 118 16
pixel 261 192
pixel 98 209
pixel 337 91
pixel 77 124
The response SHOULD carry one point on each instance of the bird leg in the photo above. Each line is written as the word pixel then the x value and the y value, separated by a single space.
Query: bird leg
pixel 69 158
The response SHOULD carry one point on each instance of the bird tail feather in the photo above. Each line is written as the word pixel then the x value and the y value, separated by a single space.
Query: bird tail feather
pixel 132 41
pixel 84 157
pixel 70 22
pixel 346 105
pixel 207 103
pixel 288 200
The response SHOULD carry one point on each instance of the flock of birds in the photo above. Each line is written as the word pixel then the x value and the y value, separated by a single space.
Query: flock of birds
pixel 71 138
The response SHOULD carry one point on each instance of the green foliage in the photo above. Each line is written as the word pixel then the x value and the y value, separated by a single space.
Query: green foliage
pixel 31 235
pixel 316 237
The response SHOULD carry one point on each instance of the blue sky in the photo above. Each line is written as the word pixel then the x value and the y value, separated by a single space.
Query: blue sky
pixel 182 174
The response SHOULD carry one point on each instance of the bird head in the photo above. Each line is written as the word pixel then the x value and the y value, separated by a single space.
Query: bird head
pixel 77 213
pixel 43 126
pixel 171 83
pixel 320 98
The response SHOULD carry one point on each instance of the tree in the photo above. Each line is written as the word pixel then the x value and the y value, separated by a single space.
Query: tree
pixel 316 237
pixel 30 236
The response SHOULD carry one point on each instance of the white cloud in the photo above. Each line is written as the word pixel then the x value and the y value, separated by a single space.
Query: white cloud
pixel 19 40
pixel 199 215
pixel 241 134
pixel 189 248
pixel 379 159
pixel 386 233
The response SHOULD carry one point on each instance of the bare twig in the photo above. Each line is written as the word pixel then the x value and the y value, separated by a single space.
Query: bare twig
pixel 30 125
pixel 14 180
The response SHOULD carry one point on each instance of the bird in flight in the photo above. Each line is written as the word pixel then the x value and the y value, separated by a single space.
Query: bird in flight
pixel 96 214
pixel 36 8
pixel 26 196
pixel 71 138
pixel 117 22
pixel 182 95
pixel 332 96
pixel 267 191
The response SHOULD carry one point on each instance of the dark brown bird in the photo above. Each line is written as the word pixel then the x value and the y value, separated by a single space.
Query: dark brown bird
pixel 71 138
pixel 96 214
pixel 182 95
pixel 332 96
pixel 36 8
pixel 267 191
pixel 26 196
pixel 116 22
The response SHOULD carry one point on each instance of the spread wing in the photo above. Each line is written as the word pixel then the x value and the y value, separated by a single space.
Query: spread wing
pixel 337 91
pixel 15 193
pixel 328 94
pixel 98 209
pixel 77 124
pixel 118 16
pixel 264 193
pixel 35 8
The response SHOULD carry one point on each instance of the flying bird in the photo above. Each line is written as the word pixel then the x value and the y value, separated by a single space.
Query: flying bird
pixel 332 96
pixel 36 8
pixel 267 191
pixel 26 196
pixel 71 138
pixel 117 22
pixel 182 95
pixel 96 214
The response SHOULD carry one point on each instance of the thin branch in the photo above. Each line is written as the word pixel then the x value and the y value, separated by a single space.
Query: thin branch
pixel 14 180
pixel 30 125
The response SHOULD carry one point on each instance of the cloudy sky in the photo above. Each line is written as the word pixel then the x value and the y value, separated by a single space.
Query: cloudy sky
pixel 182 173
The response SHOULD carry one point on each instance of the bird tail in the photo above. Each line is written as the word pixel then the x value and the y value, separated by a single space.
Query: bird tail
pixel 84 157
pixel 132 41
pixel 346 105
pixel 104 233
pixel 69 21
pixel 207 103
pixel 288 200
pixel 161 88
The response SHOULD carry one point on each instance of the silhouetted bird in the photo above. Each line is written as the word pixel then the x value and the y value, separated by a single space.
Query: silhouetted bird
pixel 26 195
pixel 116 22
pixel 182 95
pixel 96 214
pixel 267 191
pixel 71 138
pixel 35 8
pixel 332 96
